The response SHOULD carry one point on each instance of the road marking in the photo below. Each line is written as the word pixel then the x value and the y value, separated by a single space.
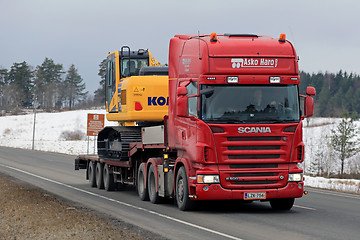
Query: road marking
pixel 308 208
pixel 339 194
pixel 126 204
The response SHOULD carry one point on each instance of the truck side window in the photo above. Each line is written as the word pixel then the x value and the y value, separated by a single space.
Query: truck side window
pixel 192 89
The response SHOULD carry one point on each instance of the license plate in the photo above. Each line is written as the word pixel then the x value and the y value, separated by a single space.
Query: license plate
pixel 259 195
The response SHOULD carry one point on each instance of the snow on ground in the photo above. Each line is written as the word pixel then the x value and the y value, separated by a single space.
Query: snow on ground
pixel 344 185
pixel 17 132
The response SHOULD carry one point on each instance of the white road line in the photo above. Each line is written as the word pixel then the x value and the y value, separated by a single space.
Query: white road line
pixel 126 204
pixel 308 208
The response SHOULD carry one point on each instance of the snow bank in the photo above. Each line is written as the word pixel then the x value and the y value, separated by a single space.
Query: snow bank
pixel 344 185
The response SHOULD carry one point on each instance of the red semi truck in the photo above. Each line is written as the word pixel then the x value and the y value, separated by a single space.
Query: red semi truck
pixel 233 130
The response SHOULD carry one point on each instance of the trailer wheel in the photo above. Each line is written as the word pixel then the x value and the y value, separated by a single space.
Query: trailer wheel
pixel 282 204
pixel 183 201
pixel 109 184
pixel 99 175
pixel 92 174
pixel 140 183
pixel 153 194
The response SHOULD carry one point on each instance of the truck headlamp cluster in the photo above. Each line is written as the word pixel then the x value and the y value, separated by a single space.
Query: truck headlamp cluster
pixel 275 79
pixel 295 177
pixel 209 179
pixel 232 79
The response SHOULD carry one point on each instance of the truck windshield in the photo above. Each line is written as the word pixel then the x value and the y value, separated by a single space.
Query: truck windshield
pixel 249 104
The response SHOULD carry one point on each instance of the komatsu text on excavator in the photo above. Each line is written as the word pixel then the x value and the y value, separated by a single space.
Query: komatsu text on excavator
pixel 222 122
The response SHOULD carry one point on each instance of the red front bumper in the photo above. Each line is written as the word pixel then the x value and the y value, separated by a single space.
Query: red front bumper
pixel 217 192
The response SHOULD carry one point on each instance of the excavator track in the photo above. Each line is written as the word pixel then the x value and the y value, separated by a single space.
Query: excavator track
pixel 113 142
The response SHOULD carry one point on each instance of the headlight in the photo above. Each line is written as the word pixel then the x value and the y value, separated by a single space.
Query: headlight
pixel 295 177
pixel 209 179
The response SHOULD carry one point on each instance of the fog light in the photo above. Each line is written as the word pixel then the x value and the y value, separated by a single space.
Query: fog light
pixel 205 188
pixel 300 185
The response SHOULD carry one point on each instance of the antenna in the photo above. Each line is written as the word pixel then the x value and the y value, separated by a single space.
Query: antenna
pixel 199 45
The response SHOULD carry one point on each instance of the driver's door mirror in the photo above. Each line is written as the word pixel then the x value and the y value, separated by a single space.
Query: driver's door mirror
pixel 182 102
pixel 309 106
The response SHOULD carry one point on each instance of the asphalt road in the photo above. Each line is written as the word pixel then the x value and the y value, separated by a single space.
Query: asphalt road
pixel 321 214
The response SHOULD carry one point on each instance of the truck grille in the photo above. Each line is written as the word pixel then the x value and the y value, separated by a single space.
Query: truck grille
pixel 268 147
pixel 254 162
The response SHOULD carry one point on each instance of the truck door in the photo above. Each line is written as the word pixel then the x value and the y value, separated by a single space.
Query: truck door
pixel 186 125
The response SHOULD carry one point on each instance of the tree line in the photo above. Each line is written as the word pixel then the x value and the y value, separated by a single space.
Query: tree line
pixel 47 86
pixel 337 93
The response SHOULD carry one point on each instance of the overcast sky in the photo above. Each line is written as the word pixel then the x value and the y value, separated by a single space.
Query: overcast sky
pixel 325 33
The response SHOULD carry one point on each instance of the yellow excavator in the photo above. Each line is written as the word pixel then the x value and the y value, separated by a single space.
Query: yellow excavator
pixel 136 89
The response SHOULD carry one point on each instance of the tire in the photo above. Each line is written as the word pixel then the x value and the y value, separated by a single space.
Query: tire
pixel 99 175
pixel 283 204
pixel 153 194
pixel 92 174
pixel 183 201
pixel 140 184
pixel 109 184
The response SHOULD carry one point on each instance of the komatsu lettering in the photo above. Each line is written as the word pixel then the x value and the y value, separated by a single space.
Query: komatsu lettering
pixel 254 130
pixel 155 101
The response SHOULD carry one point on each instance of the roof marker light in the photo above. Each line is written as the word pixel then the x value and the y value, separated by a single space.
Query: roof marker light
pixel 213 37
pixel 282 37
pixel 275 79
pixel 232 79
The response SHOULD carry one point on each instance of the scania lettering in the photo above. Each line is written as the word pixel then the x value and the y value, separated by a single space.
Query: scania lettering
pixel 224 124
pixel 254 130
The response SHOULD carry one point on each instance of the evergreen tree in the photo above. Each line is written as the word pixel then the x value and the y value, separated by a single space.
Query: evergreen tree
pixel 343 140
pixel 48 78
pixel 74 86
pixel 323 101
pixel 99 94
pixel 3 81
pixel 20 84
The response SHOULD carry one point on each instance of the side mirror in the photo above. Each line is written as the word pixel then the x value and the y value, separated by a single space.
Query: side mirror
pixel 309 106
pixel 182 106
pixel 181 91
pixel 310 91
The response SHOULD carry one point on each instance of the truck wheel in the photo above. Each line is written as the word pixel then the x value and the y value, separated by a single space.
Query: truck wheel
pixel 92 174
pixel 140 183
pixel 183 201
pixel 109 184
pixel 282 204
pixel 99 175
pixel 153 194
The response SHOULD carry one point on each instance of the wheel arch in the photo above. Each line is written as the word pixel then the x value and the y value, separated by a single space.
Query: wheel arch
pixel 181 162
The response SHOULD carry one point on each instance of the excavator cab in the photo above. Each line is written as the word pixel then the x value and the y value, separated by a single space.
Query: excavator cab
pixel 134 83
pixel 122 64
